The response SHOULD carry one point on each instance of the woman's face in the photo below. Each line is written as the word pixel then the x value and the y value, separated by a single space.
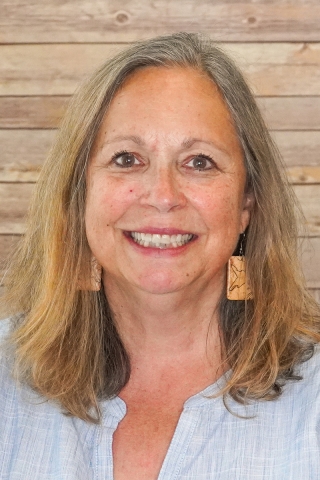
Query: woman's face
pixel 166 201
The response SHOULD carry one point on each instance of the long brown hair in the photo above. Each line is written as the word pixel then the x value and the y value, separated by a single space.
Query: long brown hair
pixel 66 344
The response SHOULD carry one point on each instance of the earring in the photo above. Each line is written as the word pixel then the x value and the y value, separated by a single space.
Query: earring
pixel 237 285
pixel 94 283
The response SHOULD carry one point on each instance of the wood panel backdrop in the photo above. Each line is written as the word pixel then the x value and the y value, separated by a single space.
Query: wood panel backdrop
pixel 48 46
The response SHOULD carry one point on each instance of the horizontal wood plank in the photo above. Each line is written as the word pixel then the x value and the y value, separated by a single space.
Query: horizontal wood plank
pixel 316 294
pixel 304 175
pixel 49 69
pixel 272 69
pixel 299 148
pixel 309 198
pixel 96 21
pixel 24 151
pixel 15 197
pixel 14 202
pixel 280 113
pixel 32 112
pixel 288 113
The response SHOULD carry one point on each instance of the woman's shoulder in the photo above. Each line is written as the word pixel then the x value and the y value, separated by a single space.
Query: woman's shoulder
pixel 300 396
pixel 37 440
pixel 309 369
pixel 15 395
pixel 309 373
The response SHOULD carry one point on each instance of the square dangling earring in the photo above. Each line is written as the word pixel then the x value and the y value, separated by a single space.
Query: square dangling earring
pixel 237 285
pixel 94 282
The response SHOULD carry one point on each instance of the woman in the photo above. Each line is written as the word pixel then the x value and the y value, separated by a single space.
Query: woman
pixel 132 361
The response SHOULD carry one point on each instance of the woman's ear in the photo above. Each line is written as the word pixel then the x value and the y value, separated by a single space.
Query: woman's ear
pixel 247 205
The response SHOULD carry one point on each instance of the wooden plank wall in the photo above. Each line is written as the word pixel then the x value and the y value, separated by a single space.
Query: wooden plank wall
pixel 47 47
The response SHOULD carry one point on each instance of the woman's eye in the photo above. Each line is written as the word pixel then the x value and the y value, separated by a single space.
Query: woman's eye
pixel 125 160
pixel 201 162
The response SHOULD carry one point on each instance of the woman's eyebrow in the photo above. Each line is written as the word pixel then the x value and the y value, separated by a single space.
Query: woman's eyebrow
pixel 189 142
pixel 133 138
pixel 186 143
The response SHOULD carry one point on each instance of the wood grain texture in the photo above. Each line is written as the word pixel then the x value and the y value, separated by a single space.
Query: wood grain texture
pixel 316 294
pixel 303 175
pixel 272 69
pixel 49 69
pixel 299 148
pixel 289 113
pixel 280 113
pixel 309 198
pixel 32 112
pixel 101 21
pixel 14 202
pixel 24 151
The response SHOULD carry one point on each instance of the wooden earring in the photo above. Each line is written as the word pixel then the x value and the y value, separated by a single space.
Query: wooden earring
pixel 94 282
pixel 237 285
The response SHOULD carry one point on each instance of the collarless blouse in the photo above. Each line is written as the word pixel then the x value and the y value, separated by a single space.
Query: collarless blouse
pixel 269 440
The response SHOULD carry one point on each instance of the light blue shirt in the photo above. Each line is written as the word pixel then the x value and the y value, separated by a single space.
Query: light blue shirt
pixel 280 440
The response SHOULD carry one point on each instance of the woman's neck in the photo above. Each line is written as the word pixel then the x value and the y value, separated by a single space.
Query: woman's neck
pixel 175 328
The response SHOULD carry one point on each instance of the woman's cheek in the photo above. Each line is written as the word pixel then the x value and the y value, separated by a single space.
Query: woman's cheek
pixel 114 195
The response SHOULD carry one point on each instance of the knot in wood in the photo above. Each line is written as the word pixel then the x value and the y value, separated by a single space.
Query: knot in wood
pixel 252 20
pixel 122 18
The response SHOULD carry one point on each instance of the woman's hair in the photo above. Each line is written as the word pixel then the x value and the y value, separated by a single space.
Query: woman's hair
pixel 66 343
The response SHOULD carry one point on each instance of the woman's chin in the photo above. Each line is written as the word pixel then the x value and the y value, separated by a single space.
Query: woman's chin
pixel 156 282
pixel 161 283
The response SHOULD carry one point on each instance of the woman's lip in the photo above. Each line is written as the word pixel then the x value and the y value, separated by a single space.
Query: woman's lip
pixel 162 231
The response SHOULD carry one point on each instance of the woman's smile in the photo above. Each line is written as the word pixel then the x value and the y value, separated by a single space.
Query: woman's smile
pixel 152 242
pixel 155 240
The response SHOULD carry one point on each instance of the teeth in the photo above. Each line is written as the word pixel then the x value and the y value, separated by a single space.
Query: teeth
pixel 161 241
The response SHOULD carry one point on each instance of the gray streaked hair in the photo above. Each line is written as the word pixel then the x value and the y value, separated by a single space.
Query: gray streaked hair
pixel 67 346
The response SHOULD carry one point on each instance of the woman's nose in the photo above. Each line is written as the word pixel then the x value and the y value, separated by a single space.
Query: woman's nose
pixel 163 190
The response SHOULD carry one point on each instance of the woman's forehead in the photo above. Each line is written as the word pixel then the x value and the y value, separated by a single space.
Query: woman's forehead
pixel 164 103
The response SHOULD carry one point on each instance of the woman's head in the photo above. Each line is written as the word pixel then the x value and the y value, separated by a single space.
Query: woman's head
pixel 55 251
pixel 167 161
pixel 64 180
pixel 272 224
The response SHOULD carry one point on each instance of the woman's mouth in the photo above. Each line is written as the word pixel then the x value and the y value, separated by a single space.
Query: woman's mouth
pixel 155 240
